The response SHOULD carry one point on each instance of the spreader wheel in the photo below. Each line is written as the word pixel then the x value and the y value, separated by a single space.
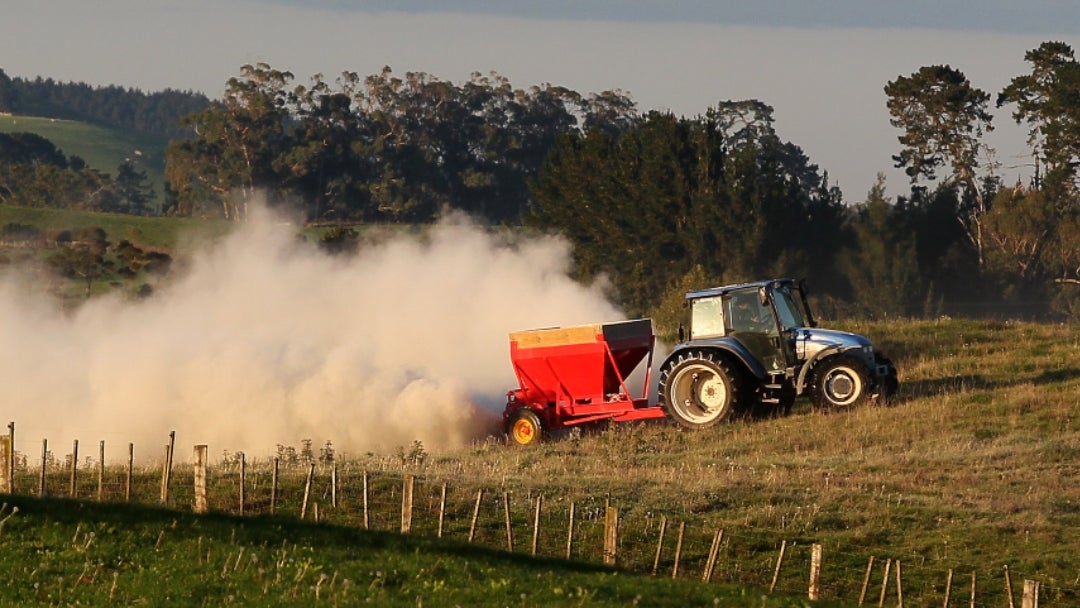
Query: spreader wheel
pixel 698 389
pixel 524 428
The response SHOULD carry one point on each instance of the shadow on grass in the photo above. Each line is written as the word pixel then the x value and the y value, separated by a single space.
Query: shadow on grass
pixel 269 530
pixel 1054 376
pixel 941 386
pixel 977 382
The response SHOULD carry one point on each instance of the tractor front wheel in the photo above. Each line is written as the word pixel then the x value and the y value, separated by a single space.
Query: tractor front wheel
pixel 840 382
pixel 524 428
pixel 699 389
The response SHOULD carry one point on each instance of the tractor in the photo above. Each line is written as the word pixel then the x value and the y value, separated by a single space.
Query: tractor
pixel 752 348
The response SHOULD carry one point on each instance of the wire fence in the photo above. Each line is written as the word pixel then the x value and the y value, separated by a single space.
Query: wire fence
pixel 520 519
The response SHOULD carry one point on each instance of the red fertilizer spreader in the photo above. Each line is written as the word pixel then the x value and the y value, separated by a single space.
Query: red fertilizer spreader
pixel 570 376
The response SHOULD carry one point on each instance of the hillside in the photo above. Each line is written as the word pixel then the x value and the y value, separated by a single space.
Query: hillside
pixel 969 473
pixel 102 148
pixel 971 469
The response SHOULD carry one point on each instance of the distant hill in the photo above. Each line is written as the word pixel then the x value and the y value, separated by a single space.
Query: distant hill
pixel 156 113
pixel 103 148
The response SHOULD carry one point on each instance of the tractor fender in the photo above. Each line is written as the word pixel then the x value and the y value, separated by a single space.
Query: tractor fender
pixel 729 346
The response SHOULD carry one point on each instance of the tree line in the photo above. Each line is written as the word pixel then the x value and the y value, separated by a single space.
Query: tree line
pixel 377 149
pixel 157 113
pixel 661 204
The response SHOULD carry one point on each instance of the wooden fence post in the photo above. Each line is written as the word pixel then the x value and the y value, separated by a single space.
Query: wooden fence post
pixel 714 550
pixel 130 471
pixel 678 550
pixel 333 486
pixel 570 532
pixel 866 580
pixel 5 456
pixel 973 589
pixel 243 481
pixel 1008 586
pixel 10 463
pixel 274 485
pixel 101 471
pixel 307 490
pixel 164 468
pixel 659 545
pixel 509 529
pixel 779 563
pixel 536 523
pixel 815 572
pixel 475 514
pixel 1031 594
pixel 406 504
pixel 442 509
pixel 73 488
pixel 948 588
pixel 611 535
pixel 166 478
pixel 899 587
pixel 44 466
pixel 367 522
pixel 885 582
pixel 201 502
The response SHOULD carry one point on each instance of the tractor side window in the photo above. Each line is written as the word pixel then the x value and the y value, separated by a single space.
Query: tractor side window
pixel 748 314
pixel 706 318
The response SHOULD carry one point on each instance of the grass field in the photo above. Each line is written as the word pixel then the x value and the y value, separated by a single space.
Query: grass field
pixel 971 470
pixel 102 148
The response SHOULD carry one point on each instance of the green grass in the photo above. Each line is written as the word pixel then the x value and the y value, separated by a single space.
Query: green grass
pixel 63 552
pixel 102 148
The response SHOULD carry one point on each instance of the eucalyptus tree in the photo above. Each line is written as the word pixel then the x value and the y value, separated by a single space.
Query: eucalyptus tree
pixel 1048 100
pixel 236 144
pixel 324 162
pixel 943 119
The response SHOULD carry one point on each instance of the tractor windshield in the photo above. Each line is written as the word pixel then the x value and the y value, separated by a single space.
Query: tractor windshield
pixel 788 308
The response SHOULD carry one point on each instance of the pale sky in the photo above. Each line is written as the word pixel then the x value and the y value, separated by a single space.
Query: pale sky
pixel 822 64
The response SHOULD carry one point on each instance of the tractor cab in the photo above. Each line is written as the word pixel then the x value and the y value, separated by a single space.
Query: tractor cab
pixel 763 318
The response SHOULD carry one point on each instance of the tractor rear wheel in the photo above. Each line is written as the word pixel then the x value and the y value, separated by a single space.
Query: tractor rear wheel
pixel 698 389
pixel 840 382
pixel 524 428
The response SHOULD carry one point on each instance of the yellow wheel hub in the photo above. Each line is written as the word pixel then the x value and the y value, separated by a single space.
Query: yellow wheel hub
pixel 524 431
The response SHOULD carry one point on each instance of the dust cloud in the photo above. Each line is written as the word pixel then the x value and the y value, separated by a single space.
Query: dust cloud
pixel 266 340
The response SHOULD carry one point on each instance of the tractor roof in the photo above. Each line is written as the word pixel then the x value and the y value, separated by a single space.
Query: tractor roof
pixel 718 291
